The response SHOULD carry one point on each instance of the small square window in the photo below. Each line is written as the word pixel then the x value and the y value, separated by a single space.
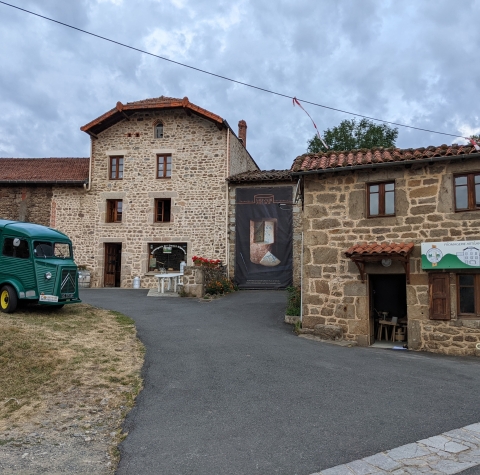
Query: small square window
pixel 114 211
pixel 116 168
pixel 163 210
pixel 164 166
pixel 381 199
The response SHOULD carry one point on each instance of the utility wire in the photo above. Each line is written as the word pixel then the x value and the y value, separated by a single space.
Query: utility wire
pixel 225 77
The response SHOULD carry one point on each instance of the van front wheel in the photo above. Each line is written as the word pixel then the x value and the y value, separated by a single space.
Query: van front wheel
pixel 8 299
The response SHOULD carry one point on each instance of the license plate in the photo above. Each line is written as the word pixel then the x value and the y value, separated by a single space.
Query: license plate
pixel 48 298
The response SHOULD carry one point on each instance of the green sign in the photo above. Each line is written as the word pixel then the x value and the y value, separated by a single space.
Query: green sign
pixel 451 255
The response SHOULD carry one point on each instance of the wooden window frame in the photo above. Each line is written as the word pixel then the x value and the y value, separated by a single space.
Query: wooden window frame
pixel 476 286
pixel 162 212
pixel 116 175
pixel 112 214
pixel 381 199
pixel 155 130
pixel 470 191
pixel 162 159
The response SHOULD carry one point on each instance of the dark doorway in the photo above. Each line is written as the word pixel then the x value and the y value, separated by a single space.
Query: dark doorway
pixel 113 264
pixel 388 304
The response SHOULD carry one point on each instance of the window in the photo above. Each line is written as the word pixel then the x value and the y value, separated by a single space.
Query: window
pixel 44 250
pixel 159 131
pixel 15 247
pixel 467 192
pixel 468 295
pixel 114 211
pixel 381 199
pixel 116 168
pixel 164 166
pixel 162 210
pixel 166 256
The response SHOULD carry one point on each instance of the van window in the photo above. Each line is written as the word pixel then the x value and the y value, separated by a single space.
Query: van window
pixel 15 247
pixel 52 249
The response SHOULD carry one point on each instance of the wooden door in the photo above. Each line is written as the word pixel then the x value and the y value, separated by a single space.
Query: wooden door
pixel 113 264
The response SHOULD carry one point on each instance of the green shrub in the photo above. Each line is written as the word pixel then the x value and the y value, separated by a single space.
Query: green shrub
pixel 293 301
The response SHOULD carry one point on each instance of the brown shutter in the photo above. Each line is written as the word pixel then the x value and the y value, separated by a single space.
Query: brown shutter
pixel 439 295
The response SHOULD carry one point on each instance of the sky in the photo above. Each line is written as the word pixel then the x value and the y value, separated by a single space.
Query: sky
pixel 413 62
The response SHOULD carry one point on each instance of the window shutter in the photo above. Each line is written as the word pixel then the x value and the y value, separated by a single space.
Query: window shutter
pixel 439 295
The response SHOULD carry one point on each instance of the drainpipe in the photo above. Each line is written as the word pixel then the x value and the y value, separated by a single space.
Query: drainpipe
pixel 89 186
pixel 227 200
pixel 301 282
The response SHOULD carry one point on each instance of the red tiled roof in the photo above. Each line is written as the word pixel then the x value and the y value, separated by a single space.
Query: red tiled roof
pixel 44 170
pixel 122 110
pixel 374 248
pixel 260 175
pixel 335 160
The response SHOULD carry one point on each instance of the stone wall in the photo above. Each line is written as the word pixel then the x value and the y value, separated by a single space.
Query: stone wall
pixel 297 227
pixel 26 203
pixel 197 189
pixel 240 160
pixel 335 219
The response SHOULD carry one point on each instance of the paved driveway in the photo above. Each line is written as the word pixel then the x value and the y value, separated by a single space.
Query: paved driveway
pixel 229 389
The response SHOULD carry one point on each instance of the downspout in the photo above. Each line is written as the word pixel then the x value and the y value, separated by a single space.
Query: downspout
pixel 88 187
pixel 227 243
pixel 301 282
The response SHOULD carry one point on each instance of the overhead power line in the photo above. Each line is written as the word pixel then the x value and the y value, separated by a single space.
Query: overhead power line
pixel 225 77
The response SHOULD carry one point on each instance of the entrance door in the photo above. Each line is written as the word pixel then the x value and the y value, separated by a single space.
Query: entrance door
pixel 388 298
pixel 113 264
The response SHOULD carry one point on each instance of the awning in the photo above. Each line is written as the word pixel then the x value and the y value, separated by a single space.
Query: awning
pixel 376 252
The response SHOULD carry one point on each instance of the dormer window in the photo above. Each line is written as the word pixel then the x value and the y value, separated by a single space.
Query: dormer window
pixel 159 131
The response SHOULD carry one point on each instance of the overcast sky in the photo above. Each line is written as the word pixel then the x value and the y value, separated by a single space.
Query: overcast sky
pixel 409 61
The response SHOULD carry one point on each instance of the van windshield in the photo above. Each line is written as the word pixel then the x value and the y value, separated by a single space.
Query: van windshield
pixel 45 250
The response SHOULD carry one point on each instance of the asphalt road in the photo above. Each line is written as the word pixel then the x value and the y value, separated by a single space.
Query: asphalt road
pixel 229 389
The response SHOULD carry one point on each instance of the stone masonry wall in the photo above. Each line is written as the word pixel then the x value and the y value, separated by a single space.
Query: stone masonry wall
pixel 297 228
pixel 197 189
pixel 26 203
pixel 240 160
pixel 335 218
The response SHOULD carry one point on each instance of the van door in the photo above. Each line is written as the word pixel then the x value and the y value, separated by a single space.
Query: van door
pixel 16 262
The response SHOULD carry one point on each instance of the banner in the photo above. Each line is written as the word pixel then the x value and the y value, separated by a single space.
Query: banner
pixel 451 255
pixel 264 238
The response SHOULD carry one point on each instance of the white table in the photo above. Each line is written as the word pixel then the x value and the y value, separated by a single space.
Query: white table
pixel 161 281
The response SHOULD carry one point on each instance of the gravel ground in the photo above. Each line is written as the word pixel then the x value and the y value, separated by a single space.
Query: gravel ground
pixel 69 436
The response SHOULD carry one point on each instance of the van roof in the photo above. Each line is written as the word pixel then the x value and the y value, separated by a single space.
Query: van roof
pixel 31 230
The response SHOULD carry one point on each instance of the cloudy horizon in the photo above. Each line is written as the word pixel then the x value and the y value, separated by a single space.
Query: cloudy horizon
pixel 411 62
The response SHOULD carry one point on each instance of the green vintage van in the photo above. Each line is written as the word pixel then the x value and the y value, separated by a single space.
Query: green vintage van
pixel 36 265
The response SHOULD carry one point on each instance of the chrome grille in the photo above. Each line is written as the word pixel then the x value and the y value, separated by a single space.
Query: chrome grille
pixel 68 286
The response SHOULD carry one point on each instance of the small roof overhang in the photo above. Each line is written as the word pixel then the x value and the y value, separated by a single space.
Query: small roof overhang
pixel 363 253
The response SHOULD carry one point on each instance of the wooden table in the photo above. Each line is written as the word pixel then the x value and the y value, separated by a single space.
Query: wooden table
pixel 161 281
pixel 384 325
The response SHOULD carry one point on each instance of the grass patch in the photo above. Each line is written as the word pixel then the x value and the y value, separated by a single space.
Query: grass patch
pixel 293 301
pixel 48 357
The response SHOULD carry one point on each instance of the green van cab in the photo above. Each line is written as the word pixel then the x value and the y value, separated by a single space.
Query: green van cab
pixel 36 265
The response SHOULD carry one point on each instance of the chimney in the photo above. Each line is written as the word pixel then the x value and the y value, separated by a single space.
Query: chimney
pixel 242 132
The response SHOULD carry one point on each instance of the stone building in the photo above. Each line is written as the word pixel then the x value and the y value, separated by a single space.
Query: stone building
pixel 156 193
pixel 391 245
pixel 28 184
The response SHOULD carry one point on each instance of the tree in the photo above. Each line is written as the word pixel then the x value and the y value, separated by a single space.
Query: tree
pixel 350 134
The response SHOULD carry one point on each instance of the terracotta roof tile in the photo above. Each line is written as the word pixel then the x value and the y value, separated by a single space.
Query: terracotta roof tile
pixel 375 248
pixel 44 170
pixel 318 162
pixel 118 113
pixel 261 175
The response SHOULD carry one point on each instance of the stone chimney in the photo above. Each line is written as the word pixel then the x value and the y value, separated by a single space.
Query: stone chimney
pixel 242 132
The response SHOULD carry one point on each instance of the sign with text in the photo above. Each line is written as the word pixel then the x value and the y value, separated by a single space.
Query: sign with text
pixel 451 255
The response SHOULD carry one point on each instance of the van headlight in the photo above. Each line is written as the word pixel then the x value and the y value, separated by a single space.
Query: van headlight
pixel 48 275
